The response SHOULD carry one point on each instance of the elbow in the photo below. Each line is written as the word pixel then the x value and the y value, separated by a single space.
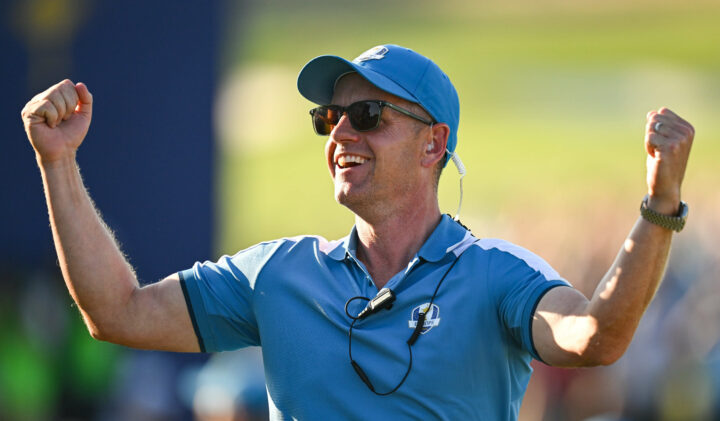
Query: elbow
pixel 603 358
pixel 602 352
pixel 98 334
pixel 108 322
pixel 105 334
pixel 582 342
pixel 100 331
pixel 95 329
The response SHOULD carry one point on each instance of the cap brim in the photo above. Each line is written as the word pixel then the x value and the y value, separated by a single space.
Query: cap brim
pixel 318 77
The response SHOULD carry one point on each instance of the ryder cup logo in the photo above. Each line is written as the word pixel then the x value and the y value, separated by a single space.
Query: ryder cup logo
pixel 375 53
pixel 432 317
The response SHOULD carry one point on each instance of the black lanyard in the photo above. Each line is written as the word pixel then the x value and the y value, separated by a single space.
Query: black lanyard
pixel 384 299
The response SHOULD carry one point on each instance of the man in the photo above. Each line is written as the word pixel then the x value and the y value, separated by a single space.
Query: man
pixel 408 317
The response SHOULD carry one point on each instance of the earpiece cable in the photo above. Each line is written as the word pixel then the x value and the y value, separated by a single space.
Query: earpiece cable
pixel 461 170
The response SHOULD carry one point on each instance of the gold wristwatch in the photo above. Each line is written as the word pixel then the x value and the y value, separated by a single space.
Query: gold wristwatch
pixel 675 223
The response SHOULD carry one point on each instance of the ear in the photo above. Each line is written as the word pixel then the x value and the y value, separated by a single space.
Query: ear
pixel 435 145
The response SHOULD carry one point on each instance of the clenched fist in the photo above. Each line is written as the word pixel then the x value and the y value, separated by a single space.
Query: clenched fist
pixel 668 139
pixel 57 120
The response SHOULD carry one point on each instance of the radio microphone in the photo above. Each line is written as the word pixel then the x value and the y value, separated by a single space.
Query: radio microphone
pixel 384 299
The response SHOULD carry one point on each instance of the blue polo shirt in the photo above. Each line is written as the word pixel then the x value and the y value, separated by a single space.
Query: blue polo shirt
pixel 288 296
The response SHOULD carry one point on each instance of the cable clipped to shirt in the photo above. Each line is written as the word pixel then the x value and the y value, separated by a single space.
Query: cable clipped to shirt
pixel 384 300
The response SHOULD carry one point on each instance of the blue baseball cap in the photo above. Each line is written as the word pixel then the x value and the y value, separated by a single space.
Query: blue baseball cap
pixel 394 69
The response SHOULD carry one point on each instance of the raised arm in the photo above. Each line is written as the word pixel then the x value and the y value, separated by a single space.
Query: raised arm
pixel 568 329
pixel 99 278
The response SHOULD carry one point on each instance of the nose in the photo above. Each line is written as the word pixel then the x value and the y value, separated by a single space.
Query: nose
pixel 343 131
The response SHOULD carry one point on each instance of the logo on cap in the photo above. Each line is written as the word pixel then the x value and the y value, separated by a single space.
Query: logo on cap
pixel 375 53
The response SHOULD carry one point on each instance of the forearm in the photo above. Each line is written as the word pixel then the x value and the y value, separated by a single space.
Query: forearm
pixel 97 274
pixel 569 330
pixel 629 286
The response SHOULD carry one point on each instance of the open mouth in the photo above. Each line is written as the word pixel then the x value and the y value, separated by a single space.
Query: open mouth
pixel 348 161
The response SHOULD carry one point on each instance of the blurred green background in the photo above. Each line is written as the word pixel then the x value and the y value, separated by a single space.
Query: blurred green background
pixel 553 102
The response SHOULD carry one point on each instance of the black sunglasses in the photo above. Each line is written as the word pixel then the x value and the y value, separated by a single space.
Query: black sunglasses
pixel 363 115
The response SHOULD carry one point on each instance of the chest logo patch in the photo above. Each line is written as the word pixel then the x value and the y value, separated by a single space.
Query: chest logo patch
pixel 432 318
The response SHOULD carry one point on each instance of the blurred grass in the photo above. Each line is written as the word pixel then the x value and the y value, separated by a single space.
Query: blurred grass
pixel 553 101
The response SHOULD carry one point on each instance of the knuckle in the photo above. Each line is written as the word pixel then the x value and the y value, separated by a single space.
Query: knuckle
pixel 46 106
pixel 43 104
pixel 52 95
pixel 30 109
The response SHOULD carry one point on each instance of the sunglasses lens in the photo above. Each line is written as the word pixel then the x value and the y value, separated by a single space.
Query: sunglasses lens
pixel 324 120
pixel 364 115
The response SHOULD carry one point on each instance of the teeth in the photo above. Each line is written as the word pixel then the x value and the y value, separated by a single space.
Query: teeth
pixel 344 160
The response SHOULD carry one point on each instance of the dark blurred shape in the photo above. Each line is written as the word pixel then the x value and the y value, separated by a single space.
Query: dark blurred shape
pixel 148 162
pixel 148 159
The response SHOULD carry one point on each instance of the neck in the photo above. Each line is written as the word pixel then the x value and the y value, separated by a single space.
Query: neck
pixel 386 245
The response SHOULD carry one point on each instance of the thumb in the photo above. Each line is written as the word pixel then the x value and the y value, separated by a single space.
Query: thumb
pixel 84 106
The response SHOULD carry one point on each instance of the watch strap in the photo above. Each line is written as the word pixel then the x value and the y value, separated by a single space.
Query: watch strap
pixel 674 222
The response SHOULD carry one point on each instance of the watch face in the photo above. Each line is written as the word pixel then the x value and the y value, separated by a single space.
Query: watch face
pixel 683 213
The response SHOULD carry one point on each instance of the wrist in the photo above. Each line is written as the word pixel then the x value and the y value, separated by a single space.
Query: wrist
pixel 56 162
pixel 663 205
pixel 672 217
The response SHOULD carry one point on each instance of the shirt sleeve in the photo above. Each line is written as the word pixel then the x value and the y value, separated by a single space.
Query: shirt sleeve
pixel 519 280
pixel 219 296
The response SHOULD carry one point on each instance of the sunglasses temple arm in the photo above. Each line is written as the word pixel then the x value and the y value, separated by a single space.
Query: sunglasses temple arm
pixel 408 113
pixel 461 170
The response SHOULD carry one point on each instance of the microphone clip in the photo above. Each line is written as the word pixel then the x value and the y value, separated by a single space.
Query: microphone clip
pixel 383 300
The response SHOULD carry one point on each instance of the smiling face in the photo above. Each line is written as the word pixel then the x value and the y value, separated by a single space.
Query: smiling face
pixel 378 170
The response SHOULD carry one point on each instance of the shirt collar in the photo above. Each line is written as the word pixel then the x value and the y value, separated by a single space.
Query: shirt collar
pixel 446 238
pixel 345 246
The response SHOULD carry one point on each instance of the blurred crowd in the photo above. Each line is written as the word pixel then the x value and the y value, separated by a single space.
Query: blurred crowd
pixel 50 368
pixel 671 371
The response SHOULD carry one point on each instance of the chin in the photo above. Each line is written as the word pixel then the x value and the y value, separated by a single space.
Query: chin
pixel 347 198
pixel 342 196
